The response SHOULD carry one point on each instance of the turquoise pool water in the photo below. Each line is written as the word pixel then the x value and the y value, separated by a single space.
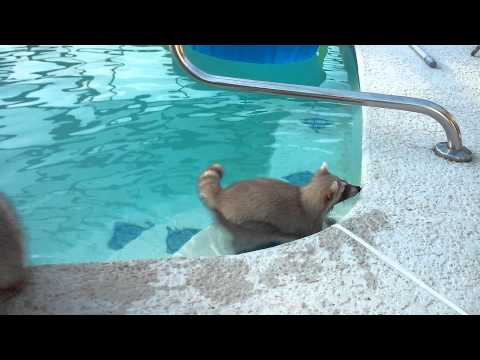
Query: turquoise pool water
pixel 100 146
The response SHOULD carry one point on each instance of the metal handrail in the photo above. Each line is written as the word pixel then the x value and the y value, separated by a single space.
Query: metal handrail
pixel 451 150
pixel 427 59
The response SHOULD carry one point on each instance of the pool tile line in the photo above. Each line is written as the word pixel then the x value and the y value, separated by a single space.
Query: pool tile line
pixel 403 271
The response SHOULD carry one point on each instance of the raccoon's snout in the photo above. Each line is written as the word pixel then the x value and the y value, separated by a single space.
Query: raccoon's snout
pixel 349 191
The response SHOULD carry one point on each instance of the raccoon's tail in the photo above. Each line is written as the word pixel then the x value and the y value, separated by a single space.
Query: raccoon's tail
pixel 209 185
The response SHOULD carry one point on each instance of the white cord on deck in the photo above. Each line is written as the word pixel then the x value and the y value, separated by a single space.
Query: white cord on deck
pixel 399 268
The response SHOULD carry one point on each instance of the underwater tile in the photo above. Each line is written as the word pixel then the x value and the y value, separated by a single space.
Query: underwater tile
pixel 177 237
pixel 316 123
pixel 124 232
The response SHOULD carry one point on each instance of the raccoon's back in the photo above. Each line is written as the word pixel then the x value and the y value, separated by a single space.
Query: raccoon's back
pixel 267 200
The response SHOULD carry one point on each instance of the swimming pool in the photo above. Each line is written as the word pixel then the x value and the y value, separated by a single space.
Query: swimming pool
pixel 100 146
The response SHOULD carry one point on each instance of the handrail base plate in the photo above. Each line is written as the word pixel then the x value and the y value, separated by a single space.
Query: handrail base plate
pixel 442 150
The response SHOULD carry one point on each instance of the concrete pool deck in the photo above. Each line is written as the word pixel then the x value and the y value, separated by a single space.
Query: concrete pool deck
pixel 416 209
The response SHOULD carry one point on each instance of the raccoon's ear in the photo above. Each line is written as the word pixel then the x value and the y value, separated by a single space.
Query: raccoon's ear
pixel 332 190
pixel 323 169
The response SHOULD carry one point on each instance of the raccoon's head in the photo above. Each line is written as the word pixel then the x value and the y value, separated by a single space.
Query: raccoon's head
pixel 333 188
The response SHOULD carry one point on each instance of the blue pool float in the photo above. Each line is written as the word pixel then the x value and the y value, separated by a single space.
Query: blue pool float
pixel 259 54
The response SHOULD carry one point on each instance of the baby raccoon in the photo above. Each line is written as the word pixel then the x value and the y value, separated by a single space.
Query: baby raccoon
pixel 261 211
pixel 12 268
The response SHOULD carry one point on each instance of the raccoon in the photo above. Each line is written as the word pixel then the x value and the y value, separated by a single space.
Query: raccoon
pixel 263 210
pixel 12 253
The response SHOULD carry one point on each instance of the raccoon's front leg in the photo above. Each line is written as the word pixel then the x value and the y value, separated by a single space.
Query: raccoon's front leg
pixel 276 237
pixel 259 227
pixel 284 238
pixel 247 239
pixel 269 232
pixel 262 241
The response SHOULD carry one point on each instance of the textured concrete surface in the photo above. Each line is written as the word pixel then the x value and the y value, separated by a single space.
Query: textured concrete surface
pixel 418 209
pixel 331 274
pixel 433 205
